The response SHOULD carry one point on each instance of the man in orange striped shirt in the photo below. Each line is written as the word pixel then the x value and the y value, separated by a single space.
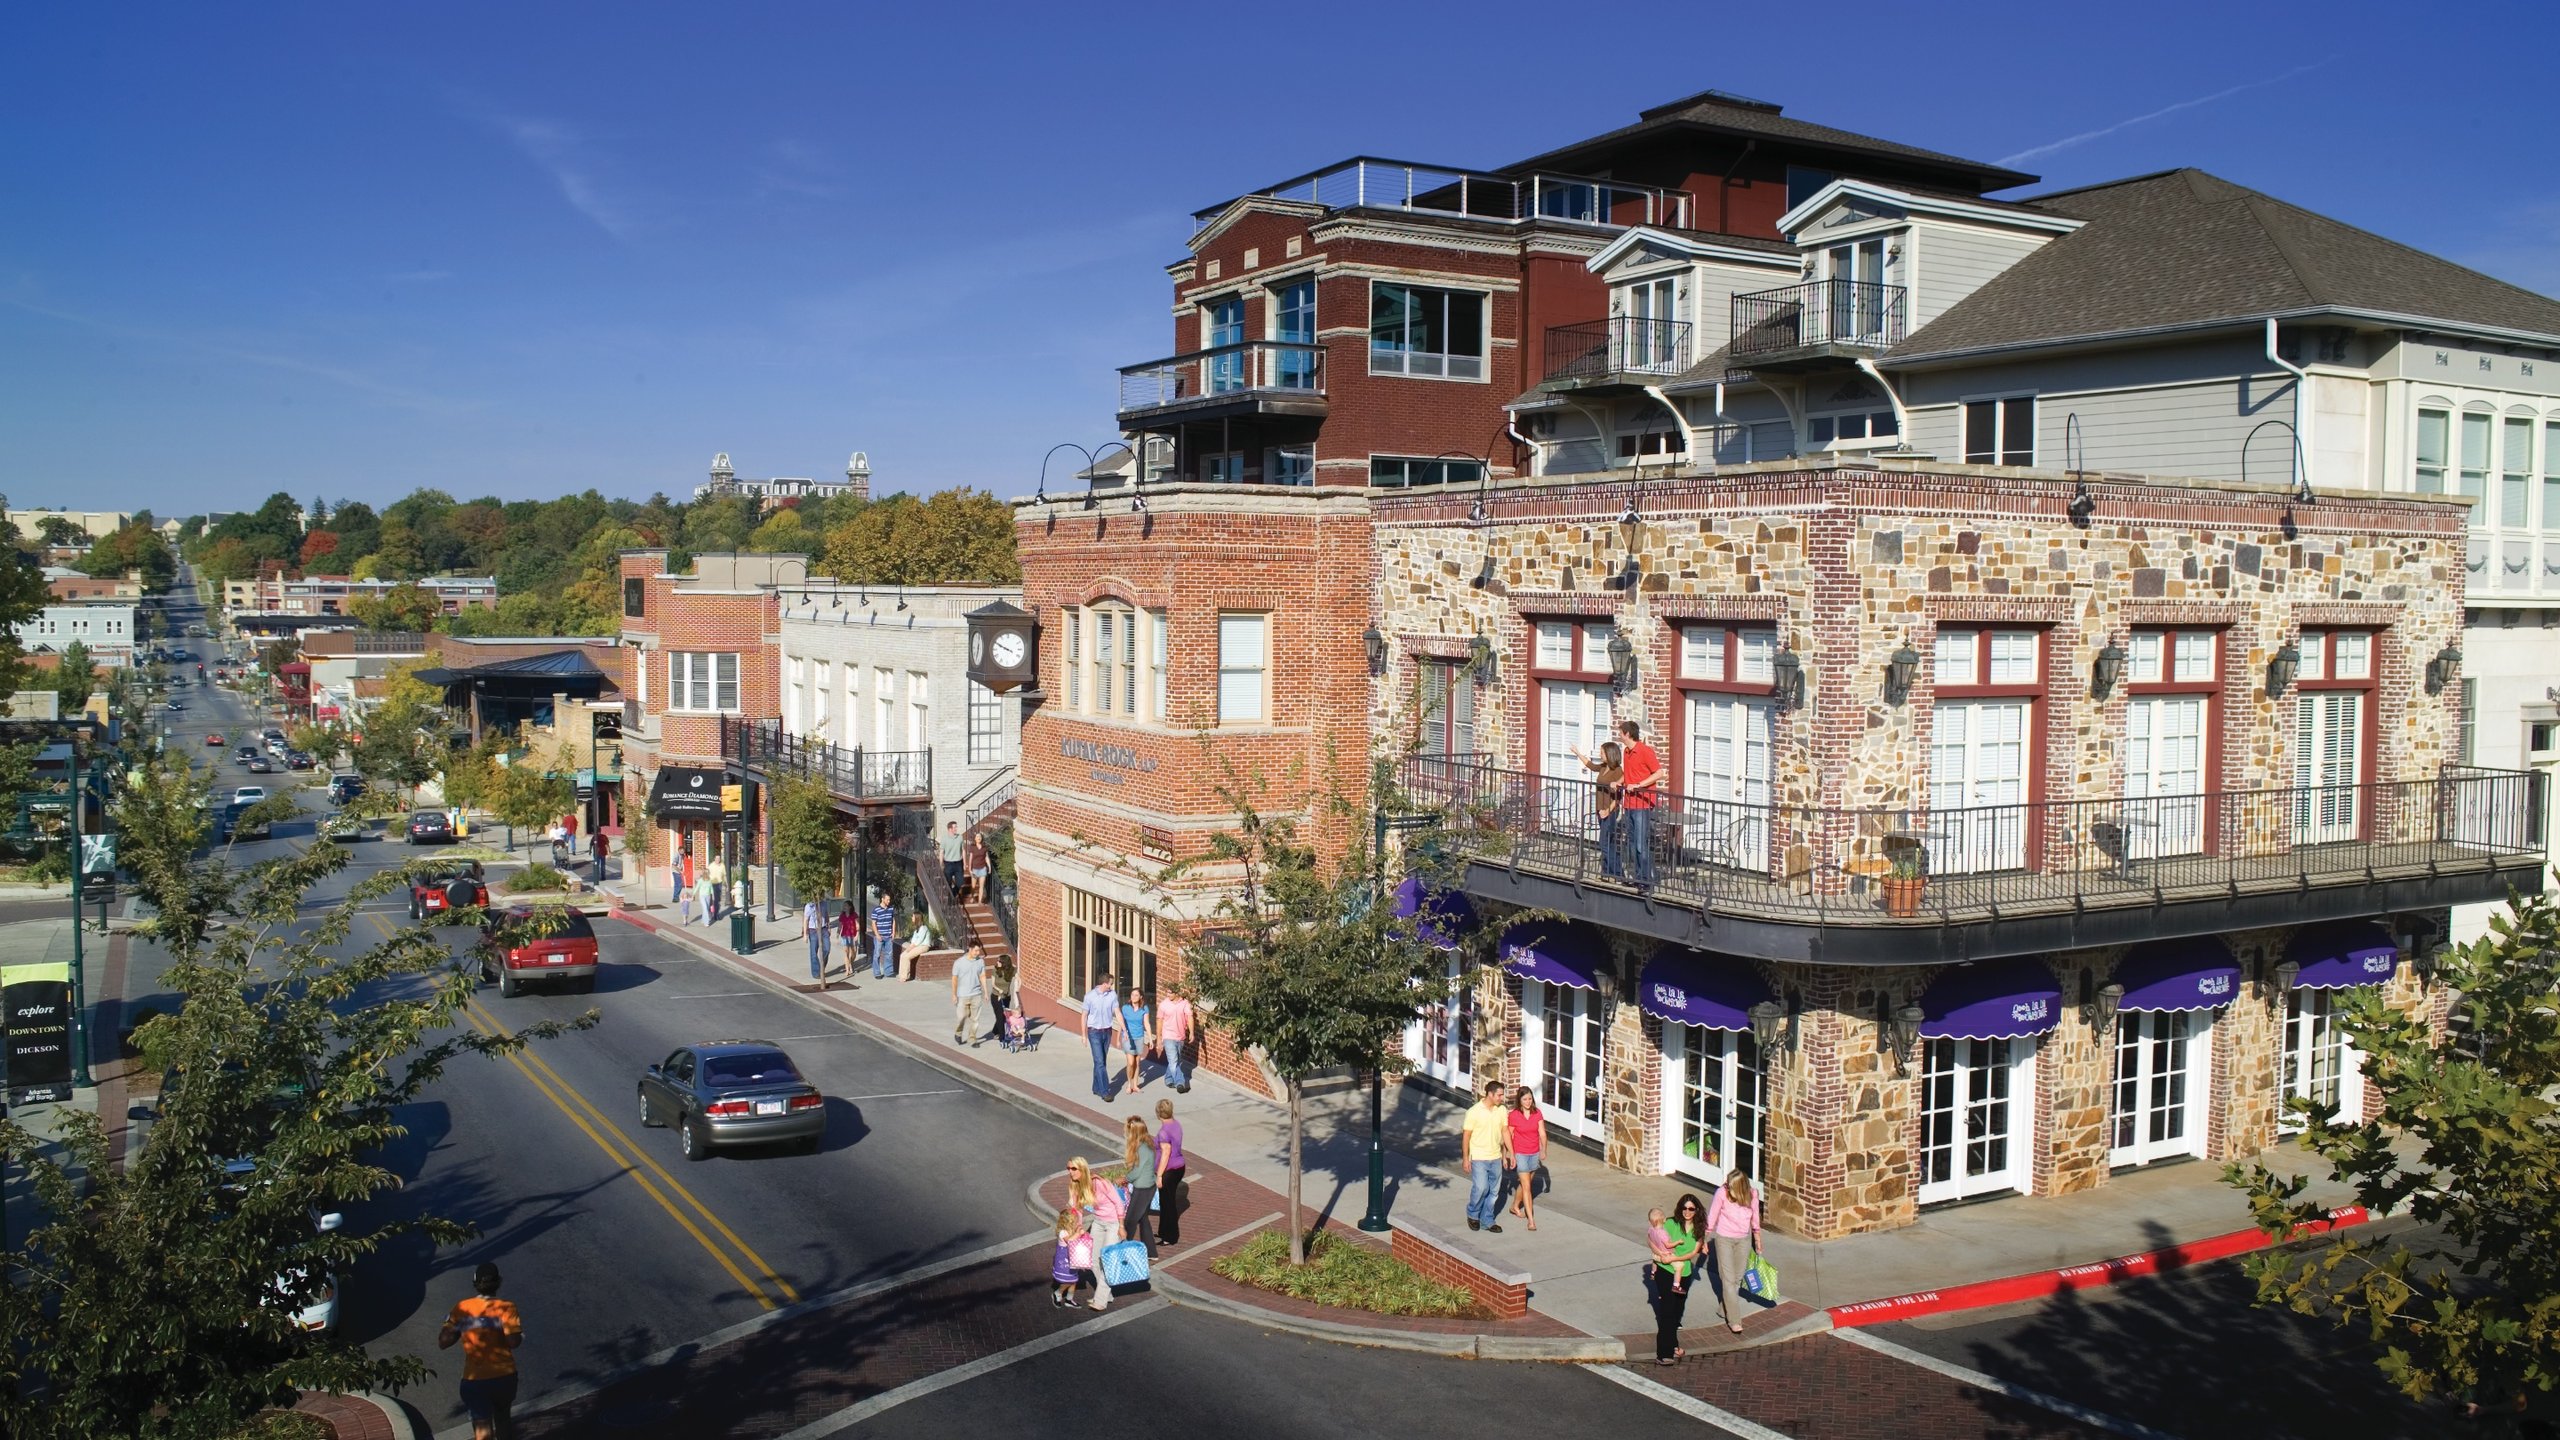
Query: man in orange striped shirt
pixel 490 1330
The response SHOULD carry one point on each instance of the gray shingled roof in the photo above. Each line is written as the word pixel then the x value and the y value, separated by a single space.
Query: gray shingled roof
pixel 2184 248
pixel 1732 115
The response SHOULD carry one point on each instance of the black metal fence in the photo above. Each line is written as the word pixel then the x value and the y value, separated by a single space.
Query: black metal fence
pixel 862 776
pixel 1622 345
pixel 1815 315
pixel 1981 860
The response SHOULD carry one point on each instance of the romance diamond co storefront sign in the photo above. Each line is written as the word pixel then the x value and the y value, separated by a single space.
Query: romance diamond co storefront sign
pixel 1110 764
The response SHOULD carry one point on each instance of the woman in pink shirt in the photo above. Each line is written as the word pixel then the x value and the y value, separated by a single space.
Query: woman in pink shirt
pixel 1528 1151
pixel 1733 1221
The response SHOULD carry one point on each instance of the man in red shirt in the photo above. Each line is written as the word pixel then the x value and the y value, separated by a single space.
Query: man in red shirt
pixel 1643 793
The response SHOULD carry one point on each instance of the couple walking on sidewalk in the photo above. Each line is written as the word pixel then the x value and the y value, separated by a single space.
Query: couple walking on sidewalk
pixel 1500 1141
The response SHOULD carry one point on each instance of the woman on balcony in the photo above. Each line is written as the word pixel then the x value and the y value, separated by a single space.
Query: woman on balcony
pixel 1608 777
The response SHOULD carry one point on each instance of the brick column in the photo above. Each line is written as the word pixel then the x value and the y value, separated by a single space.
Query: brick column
pixel 1630 1069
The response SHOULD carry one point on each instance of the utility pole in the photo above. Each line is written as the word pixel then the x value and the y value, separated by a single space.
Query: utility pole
pixel 79 963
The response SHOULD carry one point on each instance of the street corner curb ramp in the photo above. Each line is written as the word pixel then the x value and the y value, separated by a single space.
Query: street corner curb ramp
pixel 2038 1284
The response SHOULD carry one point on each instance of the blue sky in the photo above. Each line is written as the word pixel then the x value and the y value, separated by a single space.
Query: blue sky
pixel 527 249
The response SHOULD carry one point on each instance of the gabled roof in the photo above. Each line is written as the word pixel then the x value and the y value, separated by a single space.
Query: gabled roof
pixel 1713 112
pixel 2182 249
pixel 1695 245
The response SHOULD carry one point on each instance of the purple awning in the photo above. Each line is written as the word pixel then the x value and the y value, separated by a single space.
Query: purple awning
pixel 2196 973
pixel 1439 916
pixel 2343 955
pixel 1691 987
pixel 1559 952
pixel 1991 1000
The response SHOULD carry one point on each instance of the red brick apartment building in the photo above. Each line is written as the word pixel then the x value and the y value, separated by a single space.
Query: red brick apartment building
pixel 2022 824
pixel 704 649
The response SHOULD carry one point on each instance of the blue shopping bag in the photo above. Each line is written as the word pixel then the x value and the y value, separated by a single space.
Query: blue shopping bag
pixel 1124 1263
pixel 1760 1279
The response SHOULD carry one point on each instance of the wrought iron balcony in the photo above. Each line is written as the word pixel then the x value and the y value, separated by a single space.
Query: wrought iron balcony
pixel 1252 377
pixel 2466 834
pixel 1622 350
pixel 856 775
pixel 1819 321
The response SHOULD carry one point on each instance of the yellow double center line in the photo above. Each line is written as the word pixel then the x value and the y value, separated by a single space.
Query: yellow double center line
pixel 635 1162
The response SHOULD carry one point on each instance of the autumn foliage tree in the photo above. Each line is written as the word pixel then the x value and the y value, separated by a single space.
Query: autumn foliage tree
pixel 318 546
pixel 955 537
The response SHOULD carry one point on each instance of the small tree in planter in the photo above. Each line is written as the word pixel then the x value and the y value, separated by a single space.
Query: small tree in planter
pixel 808 845
pixel 639 847
pixel 1906 882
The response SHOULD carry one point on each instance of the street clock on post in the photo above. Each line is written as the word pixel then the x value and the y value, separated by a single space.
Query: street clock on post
pixel 1004 647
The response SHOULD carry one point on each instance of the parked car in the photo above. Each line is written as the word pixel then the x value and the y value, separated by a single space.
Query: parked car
pixel 236 824
pixel 343 828
pixel 732 1092
pixel 345 788
pixel 446 886
pixel 297 760
pixel 431 827
pixel 311 1290
pixel 524 946
pixel 276 746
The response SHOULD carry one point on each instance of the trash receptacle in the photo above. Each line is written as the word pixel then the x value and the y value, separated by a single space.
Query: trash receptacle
pixel 742 932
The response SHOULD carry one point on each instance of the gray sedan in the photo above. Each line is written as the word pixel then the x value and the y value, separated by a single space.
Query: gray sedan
pixel 732 1092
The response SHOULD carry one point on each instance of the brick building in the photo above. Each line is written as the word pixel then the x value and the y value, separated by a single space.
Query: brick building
pixel 2022 822
pixel 704 652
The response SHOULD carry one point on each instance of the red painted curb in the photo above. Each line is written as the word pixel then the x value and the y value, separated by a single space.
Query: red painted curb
pixel 2037 1284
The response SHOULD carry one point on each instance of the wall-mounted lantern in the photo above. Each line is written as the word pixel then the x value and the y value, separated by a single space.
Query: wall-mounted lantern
pixel 1480 658
pixel 2281 670
pixel 2107 671
pixel 1622 660
pixel 2442 670
pixel 1377 648
pixel 1786 679
pixel 1899 674
pixel 2098 1003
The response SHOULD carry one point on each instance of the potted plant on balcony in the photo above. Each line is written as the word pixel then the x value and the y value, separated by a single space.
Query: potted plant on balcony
pixel 1907 881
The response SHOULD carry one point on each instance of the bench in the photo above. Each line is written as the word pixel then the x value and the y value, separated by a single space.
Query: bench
pixel 1449 1258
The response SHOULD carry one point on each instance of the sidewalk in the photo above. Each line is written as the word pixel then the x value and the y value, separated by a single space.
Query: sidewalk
pixel 1585 1257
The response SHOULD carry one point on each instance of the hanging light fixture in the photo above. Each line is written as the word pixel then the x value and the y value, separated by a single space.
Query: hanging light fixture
pixel 1622 659
pixel 2281 670
pixel 1376 645
pixel 1786 679
pixel 1899 674
pixel 2441 670
pixel 1480 658
pixel 2107 671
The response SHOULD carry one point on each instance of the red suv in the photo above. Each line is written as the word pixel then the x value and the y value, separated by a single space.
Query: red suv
pixel 552 944
pixel 444 888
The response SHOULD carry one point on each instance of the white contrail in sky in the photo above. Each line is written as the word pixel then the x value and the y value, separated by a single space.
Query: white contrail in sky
pixel 2087 135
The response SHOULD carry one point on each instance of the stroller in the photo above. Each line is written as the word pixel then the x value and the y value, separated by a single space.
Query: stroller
pixel 1017 1030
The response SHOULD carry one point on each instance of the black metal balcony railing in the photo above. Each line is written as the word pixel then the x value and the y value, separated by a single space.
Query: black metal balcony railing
pixel 862 776
pixel 1289 367
pixel 1818 315
pixel 1813 865
pixel 1601 350
pixel 1366 182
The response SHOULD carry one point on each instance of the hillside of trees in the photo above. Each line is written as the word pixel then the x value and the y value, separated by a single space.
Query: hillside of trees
pixel 554 559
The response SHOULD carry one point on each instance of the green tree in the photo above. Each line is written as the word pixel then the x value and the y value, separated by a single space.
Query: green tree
pixel 785 532
pixel 158 1298
pixel 719 523
pixel 956 537
pixel 1301 963
pixel 2467 1303
pixel 357 527
pixel 134 549
pixel 53 531
pixel 401 608
pixel 403 744
pixel 526 797
pixel 23 596
pixel 75 679
pixel 808 840
pixel 639 846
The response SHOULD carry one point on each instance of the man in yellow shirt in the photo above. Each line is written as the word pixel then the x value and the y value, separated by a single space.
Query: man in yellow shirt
pixel 1487 1150
pixel 490 1330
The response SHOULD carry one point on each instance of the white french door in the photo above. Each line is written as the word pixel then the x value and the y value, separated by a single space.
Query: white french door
pixel 1571 713
pixel 1718 1096
pixel 1441 1042
pixel 2328 757
pixel 2319 1064
pixel 1978 786
pixel 1653 308
pixel 1857 289
pixel 2164 775
pixel 2164 1064
pixel 1562 1053
pixel 1976 1125
pixel 1727 779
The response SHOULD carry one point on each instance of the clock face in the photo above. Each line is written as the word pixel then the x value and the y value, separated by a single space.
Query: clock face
pixel 1009 649
pixel 978 649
